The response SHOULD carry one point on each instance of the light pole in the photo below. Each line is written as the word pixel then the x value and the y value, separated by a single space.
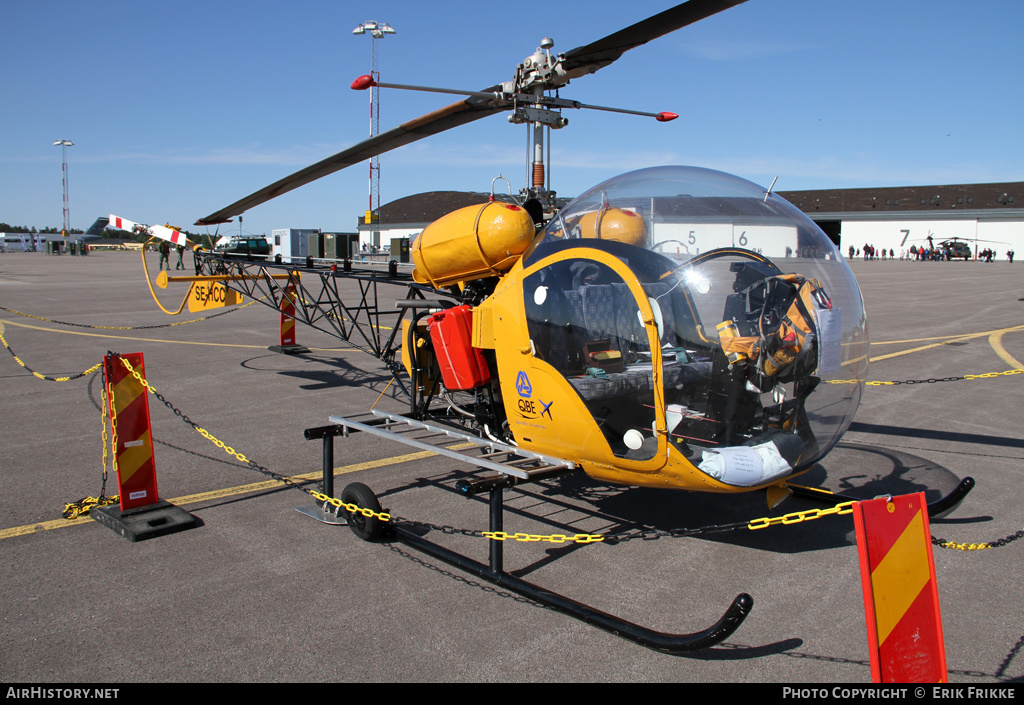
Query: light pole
pixel 64 144
pixel 376 30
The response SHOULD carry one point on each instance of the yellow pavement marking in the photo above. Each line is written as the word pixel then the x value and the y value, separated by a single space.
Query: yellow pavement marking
pixel 996 341
pixel 221 493
pixel 945 337
pixel 994 336
pixel 155 340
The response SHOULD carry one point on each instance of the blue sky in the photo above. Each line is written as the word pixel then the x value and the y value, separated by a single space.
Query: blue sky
pixel 180 108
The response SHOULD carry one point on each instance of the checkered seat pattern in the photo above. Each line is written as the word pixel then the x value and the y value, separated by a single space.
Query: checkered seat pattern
pixel 609 311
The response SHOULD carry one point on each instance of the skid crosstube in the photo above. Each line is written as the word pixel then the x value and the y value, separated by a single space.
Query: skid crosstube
pixel 512 466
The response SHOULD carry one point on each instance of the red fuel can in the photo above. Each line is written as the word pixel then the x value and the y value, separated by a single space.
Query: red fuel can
pixel 462 365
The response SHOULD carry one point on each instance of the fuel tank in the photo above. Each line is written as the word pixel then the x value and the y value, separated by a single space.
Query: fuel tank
pixel 614 224
pixel 471 243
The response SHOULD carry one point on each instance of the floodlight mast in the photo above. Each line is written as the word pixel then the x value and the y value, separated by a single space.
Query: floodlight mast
pixel 64 144
pixel 376 30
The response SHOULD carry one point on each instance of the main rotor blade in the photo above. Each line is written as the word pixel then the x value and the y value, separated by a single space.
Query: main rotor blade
pixel 577 62
pixel 588 59
pixel 460 113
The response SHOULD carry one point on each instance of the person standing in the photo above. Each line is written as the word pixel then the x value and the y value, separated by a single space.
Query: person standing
pixel 165 254
pixel 180 264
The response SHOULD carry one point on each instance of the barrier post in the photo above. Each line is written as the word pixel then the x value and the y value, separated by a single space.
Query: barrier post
pixel 289 345
pixel 141 513
pixel 129 416
pixel 901 599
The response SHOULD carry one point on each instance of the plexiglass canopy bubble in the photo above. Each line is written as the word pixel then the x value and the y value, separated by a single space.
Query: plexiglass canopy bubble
pixel 760 324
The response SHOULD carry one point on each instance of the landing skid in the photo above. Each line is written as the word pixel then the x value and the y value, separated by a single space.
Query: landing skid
pixel 509 472
pixel 938 508
pixel 658 641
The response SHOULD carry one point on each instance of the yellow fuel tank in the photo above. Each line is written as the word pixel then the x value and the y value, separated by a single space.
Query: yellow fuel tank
pixel 614 224
pixel 471 243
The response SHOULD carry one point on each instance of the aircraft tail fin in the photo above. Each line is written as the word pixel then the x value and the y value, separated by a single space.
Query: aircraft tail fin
pixel 97 228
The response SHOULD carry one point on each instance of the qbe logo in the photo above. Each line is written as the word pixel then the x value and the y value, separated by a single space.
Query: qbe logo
pixel 523 385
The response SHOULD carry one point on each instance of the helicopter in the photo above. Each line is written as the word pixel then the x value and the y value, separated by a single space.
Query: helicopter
pixel 957 247
pixel 672 327
pixel 641 330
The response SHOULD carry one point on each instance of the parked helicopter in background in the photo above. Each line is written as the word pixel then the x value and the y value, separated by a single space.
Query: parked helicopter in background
pixel 955 248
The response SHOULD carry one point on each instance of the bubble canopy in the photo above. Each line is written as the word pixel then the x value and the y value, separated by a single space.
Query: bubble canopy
pixel 696 210
pixel 758 321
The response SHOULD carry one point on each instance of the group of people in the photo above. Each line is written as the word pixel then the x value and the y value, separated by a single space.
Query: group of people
pixel 922 253
pixel 988 254
pixel 934 254
pixel 871 252
pixel 165 255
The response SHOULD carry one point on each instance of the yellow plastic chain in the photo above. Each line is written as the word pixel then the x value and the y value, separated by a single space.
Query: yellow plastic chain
pixel 351 508
pixel 797 517
pixel 965 546
pixel 42 376
pixel 553 538
pixel 202 431
pixel 985 375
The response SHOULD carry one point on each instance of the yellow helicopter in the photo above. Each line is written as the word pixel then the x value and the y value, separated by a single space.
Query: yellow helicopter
pixel 672 327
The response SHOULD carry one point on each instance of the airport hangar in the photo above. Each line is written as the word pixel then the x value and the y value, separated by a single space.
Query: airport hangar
pixel 890 218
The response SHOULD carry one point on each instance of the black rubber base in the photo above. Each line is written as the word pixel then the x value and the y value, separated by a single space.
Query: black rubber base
pixel 141 523
pixel 289 349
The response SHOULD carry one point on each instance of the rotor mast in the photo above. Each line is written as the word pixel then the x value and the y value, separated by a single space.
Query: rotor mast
pixel 534 77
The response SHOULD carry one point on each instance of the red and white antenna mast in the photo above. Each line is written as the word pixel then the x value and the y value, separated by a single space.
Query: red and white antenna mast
pixel 376 30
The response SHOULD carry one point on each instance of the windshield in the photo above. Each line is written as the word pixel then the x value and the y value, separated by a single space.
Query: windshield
pixel 694 299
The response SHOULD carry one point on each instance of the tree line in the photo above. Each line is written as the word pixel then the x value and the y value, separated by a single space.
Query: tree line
pixel 112 233
pixel 7 228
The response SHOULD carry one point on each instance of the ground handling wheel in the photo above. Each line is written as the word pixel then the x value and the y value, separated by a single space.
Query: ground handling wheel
pixel 368 528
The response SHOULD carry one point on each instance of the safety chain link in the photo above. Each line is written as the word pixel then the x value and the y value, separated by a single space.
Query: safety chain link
pixel 986 375
pixel 451 530
pixel 51 378
pixel 284 479
pixel 943 543
pixel 40 375
pixel 349 507
pixel 643 534
pixel 73 510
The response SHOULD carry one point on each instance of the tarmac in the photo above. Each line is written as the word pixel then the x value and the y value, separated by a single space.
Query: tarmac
pixel 259 592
